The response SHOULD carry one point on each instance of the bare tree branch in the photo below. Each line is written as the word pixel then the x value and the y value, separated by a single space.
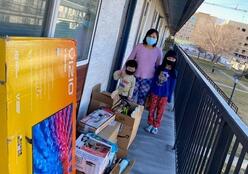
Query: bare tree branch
pixel 215 38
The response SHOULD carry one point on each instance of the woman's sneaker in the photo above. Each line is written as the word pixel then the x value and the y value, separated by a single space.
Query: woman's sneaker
pixel 154 131
pixel 149 128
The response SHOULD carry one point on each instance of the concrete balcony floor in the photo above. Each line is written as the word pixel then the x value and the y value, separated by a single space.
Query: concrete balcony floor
pixel 153 153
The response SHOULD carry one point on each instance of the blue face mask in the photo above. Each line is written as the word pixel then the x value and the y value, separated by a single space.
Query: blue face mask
pixel 150 41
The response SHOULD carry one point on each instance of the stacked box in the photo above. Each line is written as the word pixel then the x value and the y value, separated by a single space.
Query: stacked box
pixel 129 127
pixel 37 105
pixel 92 155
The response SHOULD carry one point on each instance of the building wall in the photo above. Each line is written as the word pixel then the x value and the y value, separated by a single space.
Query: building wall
pixel 106 42
pixel 240 46
pixel 155 4
pixel 148 22
pixel 163 30
pixel 201 20
pixel 103 49
pixel 187 30
pixel 134 28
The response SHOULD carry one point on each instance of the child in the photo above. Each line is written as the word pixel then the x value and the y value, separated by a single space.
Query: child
pixel 127 79
pixel 161 91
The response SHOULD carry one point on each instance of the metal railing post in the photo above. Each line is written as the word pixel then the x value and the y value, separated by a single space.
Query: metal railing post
pixel 220 149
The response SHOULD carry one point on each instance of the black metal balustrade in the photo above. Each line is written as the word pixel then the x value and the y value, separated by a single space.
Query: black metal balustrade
pixel 210 136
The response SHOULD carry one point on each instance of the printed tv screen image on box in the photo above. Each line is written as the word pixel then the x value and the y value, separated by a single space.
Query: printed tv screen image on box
pixel 52 143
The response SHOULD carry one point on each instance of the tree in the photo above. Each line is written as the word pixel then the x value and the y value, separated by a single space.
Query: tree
pixel 215 38
pixel 168 44
pixel 200 51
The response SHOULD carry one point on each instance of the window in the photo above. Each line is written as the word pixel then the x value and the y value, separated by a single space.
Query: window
pixel 76 19
pixel 142 22
pixel 243 29
pixel 247 38
pixel 22 18
pixel 246 44
pixel 155 19
pixel 243 51
pixel 146 9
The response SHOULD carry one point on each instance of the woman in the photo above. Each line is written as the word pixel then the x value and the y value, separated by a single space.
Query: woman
pixel 148 57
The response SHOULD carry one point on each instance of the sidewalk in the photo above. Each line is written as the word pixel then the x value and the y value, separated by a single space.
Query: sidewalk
pixel 231 87
pixel 230 77
pixel 153 153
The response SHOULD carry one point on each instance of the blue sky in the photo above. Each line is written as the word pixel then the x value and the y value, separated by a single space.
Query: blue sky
pixel 226 13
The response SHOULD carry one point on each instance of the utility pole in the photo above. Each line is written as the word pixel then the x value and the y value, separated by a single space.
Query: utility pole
pixel 236 79
pixel 228 7
pixel 234 87
pixel 224 6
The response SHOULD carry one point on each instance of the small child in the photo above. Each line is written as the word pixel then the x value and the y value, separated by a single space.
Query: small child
pixel 127 79
pixel 161 91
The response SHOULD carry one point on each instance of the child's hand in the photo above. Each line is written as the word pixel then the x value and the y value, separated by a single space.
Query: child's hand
pixel 122 74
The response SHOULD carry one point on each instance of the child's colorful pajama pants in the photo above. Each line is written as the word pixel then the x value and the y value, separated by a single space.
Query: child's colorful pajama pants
pixel 157 104
pixel 141 90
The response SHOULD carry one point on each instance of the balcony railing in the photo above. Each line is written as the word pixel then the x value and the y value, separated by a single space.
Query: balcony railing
pixel 210 136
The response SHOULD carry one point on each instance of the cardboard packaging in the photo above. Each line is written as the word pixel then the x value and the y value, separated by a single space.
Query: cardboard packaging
pixel 129 127
pixel 96 121
pixel 99 99
pixel 92 155
pixel 116 169
pixel 37 105
pixel 110 133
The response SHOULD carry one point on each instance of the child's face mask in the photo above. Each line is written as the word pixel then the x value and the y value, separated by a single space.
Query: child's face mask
pixel 130 70
pixel 171 60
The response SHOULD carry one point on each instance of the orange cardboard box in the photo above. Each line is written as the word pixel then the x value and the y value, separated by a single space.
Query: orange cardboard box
pixel 37 104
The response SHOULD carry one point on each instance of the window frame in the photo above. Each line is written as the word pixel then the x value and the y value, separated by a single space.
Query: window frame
pixel 50 26
pixel 44 20
pixel 155 18
pixel 143 21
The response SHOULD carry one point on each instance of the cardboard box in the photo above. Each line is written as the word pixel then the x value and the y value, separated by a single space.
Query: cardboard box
pixel 92 155
pixel 96 121
pixel 99 99
pixel 37 105
pixel 129 128
pixel 121 154
pixel 110 133
pixel 116 169
pixel 129 125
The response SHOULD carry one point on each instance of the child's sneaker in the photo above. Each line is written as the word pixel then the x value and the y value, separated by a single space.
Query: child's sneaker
pixel 154 131
pixel 149 128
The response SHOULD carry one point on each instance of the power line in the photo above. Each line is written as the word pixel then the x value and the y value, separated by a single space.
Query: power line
pixel 224 6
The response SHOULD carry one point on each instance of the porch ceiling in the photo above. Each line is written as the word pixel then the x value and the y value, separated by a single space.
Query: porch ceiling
pixel 179 11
